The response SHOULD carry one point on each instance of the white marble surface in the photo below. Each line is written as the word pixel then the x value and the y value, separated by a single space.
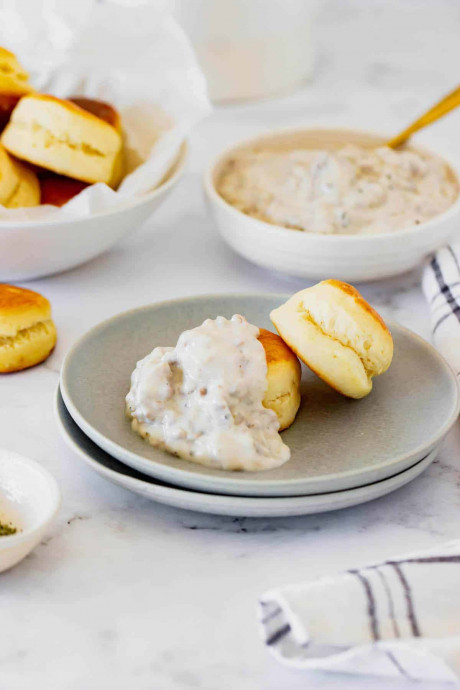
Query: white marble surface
pixel 129 594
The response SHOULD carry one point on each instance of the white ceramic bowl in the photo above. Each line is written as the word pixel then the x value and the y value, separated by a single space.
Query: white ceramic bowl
pixel 33 249
pixel 29 499
pixel 346 257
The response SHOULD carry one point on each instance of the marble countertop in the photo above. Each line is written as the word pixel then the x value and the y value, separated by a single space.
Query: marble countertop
pixel 127 593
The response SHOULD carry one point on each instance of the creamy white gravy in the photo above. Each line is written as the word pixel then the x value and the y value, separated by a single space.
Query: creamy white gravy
pixel 353 190
pixel 202 400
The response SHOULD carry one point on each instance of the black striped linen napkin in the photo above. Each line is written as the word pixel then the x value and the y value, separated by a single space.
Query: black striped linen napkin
pixel 441 285
pixel 400 618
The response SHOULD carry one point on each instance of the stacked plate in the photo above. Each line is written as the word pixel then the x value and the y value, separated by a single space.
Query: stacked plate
pixel 343 452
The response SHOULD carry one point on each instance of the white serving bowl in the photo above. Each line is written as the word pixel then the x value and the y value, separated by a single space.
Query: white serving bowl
pixel 346 257
pixel 29 499
pixel 33 249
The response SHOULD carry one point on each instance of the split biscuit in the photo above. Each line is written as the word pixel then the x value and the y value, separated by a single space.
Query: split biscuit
pixel 56 189
pixel 62 137
pixel 27 331
pixel 336 333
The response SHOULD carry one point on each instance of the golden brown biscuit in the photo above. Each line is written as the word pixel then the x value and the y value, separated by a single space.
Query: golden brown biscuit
pixel 27 332
pixel 19 185
pixel 60 136
pixel 283 378
pixel 14 83
pixel 13 77
pixel 337 334
pixel 58 189
pixel 9 176
pixel 27 193
pixel 8 102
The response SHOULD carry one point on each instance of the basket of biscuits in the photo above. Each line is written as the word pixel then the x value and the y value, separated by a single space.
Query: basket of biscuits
pixel 86 158
pixel 52 148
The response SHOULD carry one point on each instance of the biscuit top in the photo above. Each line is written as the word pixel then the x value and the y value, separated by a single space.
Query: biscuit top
pixel 357 297
pixel 21 309
pixel 341 313
pixel 67 105
pixel 60 122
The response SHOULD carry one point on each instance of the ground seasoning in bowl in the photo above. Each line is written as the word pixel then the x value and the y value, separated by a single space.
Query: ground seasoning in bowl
pixel 6 529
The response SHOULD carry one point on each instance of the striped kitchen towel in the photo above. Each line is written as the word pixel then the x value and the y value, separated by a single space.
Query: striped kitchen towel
pixel 400 618
pixel 441 285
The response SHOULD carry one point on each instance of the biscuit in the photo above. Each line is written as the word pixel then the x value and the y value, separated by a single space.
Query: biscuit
pixel 336 333
pixel 57 190
pixel 9 176
pixel 14 80
pixel 14 83
pixel 19 185
pixel 283 378
pixel 60 136
pixel 27 192
pixel 27 332
pixel 8 102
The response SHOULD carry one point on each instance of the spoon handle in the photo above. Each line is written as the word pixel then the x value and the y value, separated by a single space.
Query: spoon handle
pixel 445 105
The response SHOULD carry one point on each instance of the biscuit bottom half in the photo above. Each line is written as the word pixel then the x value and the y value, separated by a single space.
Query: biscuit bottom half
pixel 283 378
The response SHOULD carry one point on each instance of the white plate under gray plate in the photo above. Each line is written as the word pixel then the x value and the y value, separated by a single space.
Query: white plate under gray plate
pixel 336 443
pixel 237 506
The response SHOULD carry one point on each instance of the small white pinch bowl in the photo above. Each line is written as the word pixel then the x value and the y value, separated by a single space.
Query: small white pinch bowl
pixel 347 257
pixel 30 500
pixel 33 249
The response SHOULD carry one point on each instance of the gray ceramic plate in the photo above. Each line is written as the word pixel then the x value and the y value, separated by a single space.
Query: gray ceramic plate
pixel 238 506
pixel 336 443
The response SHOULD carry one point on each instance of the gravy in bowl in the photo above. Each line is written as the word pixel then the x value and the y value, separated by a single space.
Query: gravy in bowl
pixel 353 190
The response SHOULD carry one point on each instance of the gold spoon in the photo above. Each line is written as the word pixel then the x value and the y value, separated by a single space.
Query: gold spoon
pixel 448 103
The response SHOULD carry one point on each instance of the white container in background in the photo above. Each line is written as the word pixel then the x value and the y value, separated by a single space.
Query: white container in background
pixel 249 48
